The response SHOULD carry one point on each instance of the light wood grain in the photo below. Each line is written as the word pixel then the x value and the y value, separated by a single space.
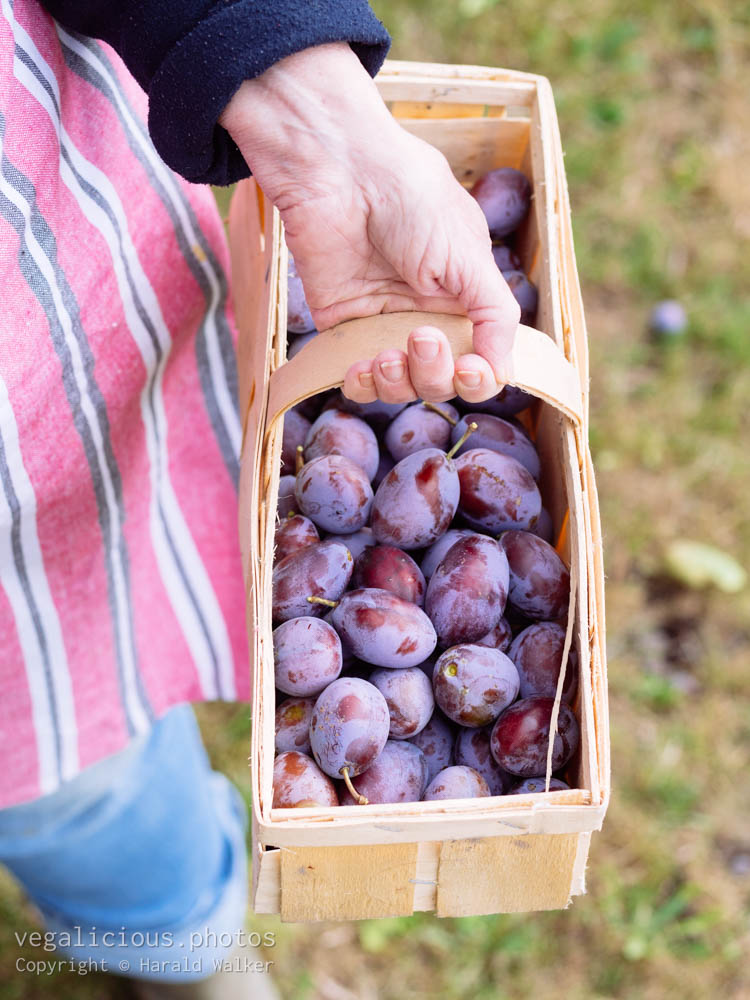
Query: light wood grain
pixel 425 876
pixel 347 883
pixel 267 881
pixel 505 874
pixel 473 146
pixel 578 879
pixel 408 112
pixel 456 91
pixel 403 69
pixel 542 817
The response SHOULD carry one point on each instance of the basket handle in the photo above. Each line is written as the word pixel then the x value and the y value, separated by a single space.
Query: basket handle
pixel 537 364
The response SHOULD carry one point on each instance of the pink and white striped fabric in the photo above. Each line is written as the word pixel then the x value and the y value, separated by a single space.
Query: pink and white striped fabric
pixel 120 581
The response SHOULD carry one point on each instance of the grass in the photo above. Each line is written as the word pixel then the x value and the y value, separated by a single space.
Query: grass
pixel 656 128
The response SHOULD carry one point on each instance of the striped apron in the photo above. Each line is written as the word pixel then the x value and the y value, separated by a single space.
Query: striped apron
pixel 120 582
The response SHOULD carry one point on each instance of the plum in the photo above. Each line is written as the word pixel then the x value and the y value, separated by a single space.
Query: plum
pixel 298 781
pixel 416 501
pixel 307 656
pixel 336 432
pixel 497 492
pixel 349 727
pixel 539 579
pixel 498 435
pixel 317 571
pixel 456 782
pixel 474 684
pixel 410 700
pixel 467 592
pixel 525 294
pixel 334 493
pixel 398 774
pixel 388 568
pixel 292 534
pixel 520 737
pixel 383 629
pixel 420 426
pixel 504 195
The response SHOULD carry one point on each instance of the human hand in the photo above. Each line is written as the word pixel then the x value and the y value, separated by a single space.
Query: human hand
pixel 376 222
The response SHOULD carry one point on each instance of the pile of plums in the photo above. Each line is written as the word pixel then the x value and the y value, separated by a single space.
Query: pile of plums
pixel 418 603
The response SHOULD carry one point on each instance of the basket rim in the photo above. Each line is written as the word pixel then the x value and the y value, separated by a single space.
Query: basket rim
pixel 459 71
pixel 449 820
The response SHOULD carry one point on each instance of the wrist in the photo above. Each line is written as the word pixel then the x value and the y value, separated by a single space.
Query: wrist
pixel 305 124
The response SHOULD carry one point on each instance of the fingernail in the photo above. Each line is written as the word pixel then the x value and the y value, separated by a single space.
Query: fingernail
pixel 392 371
pixel 470 379
pixel 366 380
pixel 426 348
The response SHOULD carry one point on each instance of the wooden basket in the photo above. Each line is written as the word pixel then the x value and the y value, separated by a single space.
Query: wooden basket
pixel 501 854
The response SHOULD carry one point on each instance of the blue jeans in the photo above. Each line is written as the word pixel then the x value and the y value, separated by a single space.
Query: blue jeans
pixel 138 864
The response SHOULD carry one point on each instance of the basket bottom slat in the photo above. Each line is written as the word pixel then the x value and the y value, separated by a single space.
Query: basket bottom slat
pixel 529 873
pixel 347 883
pixel 537 872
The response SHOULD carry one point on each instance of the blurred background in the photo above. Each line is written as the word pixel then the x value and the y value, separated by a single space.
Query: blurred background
pixel 655 121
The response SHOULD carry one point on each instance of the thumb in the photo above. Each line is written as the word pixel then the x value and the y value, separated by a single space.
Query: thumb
pixel 491 306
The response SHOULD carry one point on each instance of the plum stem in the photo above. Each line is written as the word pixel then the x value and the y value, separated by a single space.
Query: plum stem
pixel 300 459
pixel 359 799
pixel 323 600
pixel 443 414
pixel 469 430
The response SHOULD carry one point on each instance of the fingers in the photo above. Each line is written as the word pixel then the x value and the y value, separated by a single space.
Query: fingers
pixel 427 372
pixel 385 378
pixel 390 370
pixel 495 314
pixel 479 286
pixel 430 364
pixel 359 384
pixel 474 379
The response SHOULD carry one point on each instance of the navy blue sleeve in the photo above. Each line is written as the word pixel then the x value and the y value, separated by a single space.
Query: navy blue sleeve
pixel 190 56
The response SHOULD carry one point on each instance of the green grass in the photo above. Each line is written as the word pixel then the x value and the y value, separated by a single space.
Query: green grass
pixel 652 100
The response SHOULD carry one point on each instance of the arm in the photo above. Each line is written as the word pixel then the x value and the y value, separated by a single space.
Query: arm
pixel 191 56
pixel 373 216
